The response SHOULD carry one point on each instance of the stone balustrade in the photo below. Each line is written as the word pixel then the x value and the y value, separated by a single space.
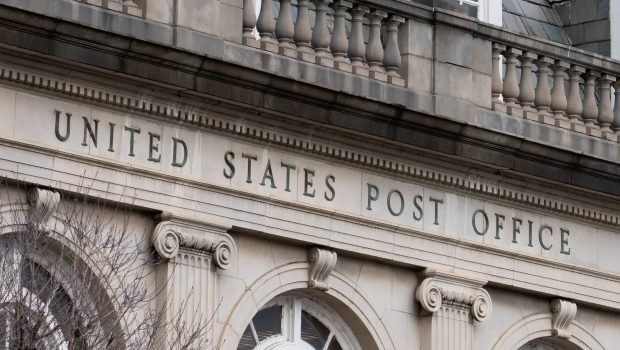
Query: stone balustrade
pixel 125 6
pixel 555 91
pixel 350 51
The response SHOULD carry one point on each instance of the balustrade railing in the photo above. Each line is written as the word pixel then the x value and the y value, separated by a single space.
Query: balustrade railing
pixel 125 6
pixel 584 107
pixel 344 50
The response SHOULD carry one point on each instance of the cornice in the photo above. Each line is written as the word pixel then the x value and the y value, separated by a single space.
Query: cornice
pixel 88 93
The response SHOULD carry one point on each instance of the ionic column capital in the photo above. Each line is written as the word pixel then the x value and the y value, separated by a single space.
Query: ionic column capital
pixel 440 289
pixel 170 236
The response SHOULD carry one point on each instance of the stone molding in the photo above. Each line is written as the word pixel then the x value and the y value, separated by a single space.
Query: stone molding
pixel 43 204
pixel 194 114
pixel 169 236
pixel 440 289
pixel 322 263
pixel 563 314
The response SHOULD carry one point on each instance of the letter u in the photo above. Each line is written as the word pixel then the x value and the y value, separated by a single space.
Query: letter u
pixel 67 128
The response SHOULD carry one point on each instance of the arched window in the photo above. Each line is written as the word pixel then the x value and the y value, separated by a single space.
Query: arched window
pixel 549 343
pixel 296 322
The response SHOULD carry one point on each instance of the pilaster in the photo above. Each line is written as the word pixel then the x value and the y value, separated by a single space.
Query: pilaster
pixel 451 304
pixel 190 255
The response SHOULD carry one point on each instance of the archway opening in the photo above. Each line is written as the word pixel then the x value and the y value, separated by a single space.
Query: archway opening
pixel 298 321
pixel 549 343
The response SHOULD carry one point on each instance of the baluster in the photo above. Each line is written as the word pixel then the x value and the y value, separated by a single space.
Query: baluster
pixel 249 21
pixel 543 94
pixel 392 60
pixel 558 95
pixel 575 107
pixel 497 86
pixel 131 8
pixel 340 44
pixel 303 33
pixel 590 110
pixel 285 30
pixel 356 41
pixel 320 35
pixel 605 114
pixel 511 86
pixel 266 25
pixel 115 5
pixel 374 49
pixel 616 123
pixel 526 87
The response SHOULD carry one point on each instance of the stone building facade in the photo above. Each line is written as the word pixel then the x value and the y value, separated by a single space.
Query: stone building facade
pixel 332 175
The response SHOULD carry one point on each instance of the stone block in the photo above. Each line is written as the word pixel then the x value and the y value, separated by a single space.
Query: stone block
pixel 191 14
pixel 514 110
pixel 546 118
pixel 114 6
pixel 580 128
pixel 498 107
pixel 373 74
pixel 361 71
pixel 305 54
pixel 396 80
pixel 132 10
pixel 343 66
pixel 417 72
pixel 610 136
pixel 593 131
pixel 324 61
pixel 416 38
pixel 596 31
pixel 453 45
pixel 94 2
pixel 530 115
pixel 252 42
pixel 452 80
pixel 563 123
pixel 481 61
pixel 481 92
pixel 229 29
pixel 199 43
pixel 287 50
pixel 269 46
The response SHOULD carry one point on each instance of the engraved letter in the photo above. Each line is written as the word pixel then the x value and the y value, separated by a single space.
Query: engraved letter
pixel 308 174
pixel 132 131
pixel 485 222
pixel 111 148
pixel 516 229
pixel 540 236
pixel 68 128
pixel 564 241
pixel 499 224
pixel 175 141
pixel 153 148
pixel 228 157
pixel 329 182
pixel 389 202
pixel 268 174
pixel 371 196
pixel 288 167
pixel 437 202
pixel 87 128
pixel 417 202
pixel 250 158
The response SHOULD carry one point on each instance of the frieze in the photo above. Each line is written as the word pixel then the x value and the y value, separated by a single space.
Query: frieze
pixel 197 115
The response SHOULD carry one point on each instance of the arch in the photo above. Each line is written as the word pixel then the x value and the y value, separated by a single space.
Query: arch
pixel 539 326
pixel 343 296
pixel 56 254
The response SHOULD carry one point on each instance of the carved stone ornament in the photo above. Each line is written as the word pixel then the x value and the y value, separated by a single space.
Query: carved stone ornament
pixel 169 237
pixel 43 204
pixel 439 289
pixel 322 263
pixel 564 313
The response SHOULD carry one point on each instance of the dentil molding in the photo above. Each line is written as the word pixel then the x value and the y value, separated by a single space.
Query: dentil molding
pixel 440 289
pixel 171 235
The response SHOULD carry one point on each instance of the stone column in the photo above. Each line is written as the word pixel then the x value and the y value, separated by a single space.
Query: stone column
pixel 511 86
pixel 605 113
pixel 339 43
pixel 303 33
pixel 543 94
pixel 526 87
pixel 320 34
pixel 374 49
pixel 356 41
pixel 285 30
pixel 497 86
pixel 616 123
pixel 186 277
pixel 590 110
pixel 575 107
pixel 559 102
pixel 451 305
